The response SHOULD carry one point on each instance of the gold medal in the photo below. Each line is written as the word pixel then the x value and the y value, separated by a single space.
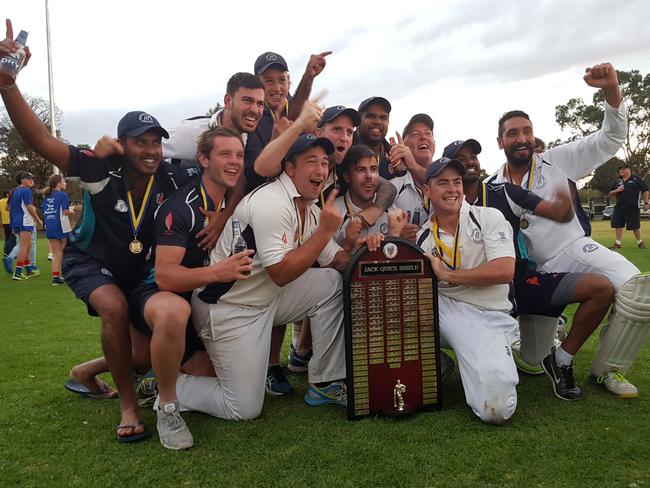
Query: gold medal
pixel 135 246
pixel 523 224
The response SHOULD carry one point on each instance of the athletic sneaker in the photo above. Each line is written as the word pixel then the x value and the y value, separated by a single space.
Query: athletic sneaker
pixel 564 385
pixel 616 383
pixel 50 256
pixel 32 272
pixel 298 363
pixel 172 429
pixel 641 245
pixel 146 390
pixel 522 365
pixel 19 277
pixel 8 264
pixel 615 246
pixel 277 383
pixel 336 393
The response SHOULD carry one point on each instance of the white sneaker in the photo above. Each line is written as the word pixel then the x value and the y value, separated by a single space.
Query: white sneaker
pixel 172 429
pixel 616 383
pixel 50 256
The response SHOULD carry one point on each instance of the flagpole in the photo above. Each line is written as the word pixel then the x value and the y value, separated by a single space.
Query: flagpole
pixel 50 79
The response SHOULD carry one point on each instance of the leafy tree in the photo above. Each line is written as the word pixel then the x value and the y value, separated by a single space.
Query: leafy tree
pixel 14 154
pixel 581 119
pixel 215 109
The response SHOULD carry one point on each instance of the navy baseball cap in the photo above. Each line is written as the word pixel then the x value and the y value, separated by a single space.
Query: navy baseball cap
pixel 137 123
pixel 439 165
pixel 452 149
pixel 24 175
pixel 306 141
pixel 268 59
pixel 418 119
pixel 331 113
pixel 374 101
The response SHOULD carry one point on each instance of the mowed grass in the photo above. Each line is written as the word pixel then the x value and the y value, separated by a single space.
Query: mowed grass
pixel 49 437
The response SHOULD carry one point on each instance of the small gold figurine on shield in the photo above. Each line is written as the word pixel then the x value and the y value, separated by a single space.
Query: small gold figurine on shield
pixel 398 396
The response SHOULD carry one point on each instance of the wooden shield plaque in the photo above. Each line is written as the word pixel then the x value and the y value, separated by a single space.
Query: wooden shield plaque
pixel 391 332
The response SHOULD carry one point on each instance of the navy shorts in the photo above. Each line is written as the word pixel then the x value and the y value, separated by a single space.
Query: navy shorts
pixel 629 217
pixel 137 301
pixel 545 293
pixel 17 229
pixel 84 274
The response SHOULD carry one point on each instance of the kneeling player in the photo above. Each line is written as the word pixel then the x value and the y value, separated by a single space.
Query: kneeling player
pixel 474 262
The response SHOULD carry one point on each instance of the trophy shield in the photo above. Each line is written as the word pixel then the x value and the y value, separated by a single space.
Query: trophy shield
pixel 391 332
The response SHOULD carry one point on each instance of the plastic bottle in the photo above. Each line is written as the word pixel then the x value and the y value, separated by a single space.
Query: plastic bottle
pixel 11 64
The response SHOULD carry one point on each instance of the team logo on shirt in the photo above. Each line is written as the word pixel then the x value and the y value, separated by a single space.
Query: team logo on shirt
pixel 383 228
pixel 120 206
pixel 591 247
pixel 476 236
pixel 502 236
pixel 285 241
pixel 540 181
pixel 169 221
pixel 106 272
pixel 160 197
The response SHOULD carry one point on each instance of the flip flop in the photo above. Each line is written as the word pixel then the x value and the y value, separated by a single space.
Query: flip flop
pixel 104 392
pixel 124 439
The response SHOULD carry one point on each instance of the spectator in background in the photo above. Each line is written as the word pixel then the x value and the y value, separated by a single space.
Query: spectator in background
pixel 55 210
pixel 10 239
pixel 626 190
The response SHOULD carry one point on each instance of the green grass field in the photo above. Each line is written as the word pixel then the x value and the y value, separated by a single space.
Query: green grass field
pixel 49 437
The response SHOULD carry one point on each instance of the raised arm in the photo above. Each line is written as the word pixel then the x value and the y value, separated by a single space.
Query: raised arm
pixel 315 66
pixel 31 129
pixel 269 163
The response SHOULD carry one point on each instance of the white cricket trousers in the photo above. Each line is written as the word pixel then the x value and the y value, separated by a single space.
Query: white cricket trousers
pixel 481 340
pixel 585 255
pixel 237 339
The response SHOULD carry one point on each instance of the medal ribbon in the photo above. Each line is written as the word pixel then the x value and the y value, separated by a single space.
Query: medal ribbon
pixel 453 256
pixel 206 207
pixel 286 109
pixel 136 220
pixel 531 175
pixel 425 199
pixel 301 235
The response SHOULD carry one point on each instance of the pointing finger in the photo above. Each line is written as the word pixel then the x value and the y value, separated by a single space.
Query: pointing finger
pixel 399 137
pixel 10 29
pixel 331 197
pixel 321 95
pixel 325 53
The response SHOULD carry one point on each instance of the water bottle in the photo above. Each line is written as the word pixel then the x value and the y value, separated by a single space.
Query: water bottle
pixel 238 242
pixel 11 64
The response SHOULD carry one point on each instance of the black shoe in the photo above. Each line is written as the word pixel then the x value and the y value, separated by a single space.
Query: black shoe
pixel 564 385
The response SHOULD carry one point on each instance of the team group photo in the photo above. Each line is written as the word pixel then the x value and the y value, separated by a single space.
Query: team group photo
pixel 394 252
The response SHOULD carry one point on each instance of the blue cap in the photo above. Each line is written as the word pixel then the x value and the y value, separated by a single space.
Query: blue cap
pixel 22 38
pixel 439 165
pixel 374 101
pixel 331 113
pixel 266 60
pixel 452 149
pixel 306 141
pixel 137 123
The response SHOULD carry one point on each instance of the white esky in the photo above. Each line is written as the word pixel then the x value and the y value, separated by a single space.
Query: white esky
pixel 462 62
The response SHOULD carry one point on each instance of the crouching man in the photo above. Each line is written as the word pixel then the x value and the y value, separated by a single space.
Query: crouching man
pixel 288 232
pixel 471 252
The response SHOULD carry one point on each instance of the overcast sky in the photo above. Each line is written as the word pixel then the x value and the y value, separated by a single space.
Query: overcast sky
pixel 462 62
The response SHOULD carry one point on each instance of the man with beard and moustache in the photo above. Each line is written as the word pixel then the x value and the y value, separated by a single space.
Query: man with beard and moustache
pixel 418 138
pixel 108 246
pixel 360 171
pixel 538 293
pixel 565 247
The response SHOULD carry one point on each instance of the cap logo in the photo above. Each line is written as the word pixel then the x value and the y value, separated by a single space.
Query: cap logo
pixel 145 118
pixel 271 57
pixel 311 137
pixel 340 107
pixel 458 143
